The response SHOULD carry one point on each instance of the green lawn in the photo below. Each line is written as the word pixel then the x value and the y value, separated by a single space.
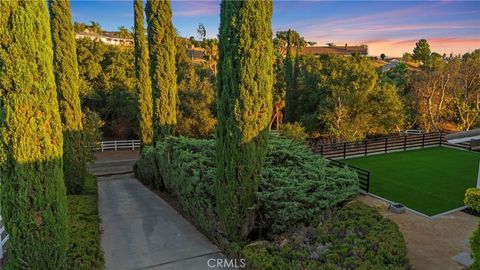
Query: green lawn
pixel 430 180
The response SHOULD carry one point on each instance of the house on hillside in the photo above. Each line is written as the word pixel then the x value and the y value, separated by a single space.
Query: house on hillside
pixel 110 38
pixel 337 50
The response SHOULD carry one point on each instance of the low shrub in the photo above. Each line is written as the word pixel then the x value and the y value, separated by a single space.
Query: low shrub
pixel 296 184
pixel 146 169
pixel 353 237
pixel 472 198
pixel 84 247
pixel 475 246
pixel 294 131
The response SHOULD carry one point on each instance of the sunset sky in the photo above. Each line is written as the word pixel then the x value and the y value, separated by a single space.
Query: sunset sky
pixel 390 27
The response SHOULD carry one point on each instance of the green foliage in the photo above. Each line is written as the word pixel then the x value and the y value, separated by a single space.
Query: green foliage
pixel 144 84
pixel 244 108
pixel 353 237
pixel 422 52
pixel 196 99
pixel 297 185
pixel 33 196
pixel 146 168
pixel 291 101
pixel 472 198
pixel 294 131
pixel 107 85
pixel 66 78
pixel 84 247
pixel 475 246
pixel 161 43
pixel 91 133
pixel 343 96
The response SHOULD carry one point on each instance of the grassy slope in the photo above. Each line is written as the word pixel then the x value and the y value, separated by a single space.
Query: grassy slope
pixel 431 180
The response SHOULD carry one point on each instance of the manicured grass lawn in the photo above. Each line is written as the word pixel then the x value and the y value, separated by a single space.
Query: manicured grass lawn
pixel 430 180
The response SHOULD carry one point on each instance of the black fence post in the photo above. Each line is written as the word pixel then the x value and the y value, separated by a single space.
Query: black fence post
pixel 441 138
pixel 470 146
pixel 366 145
pixel 423 140
pixel 344 150
pixel 368 182
pixel 386 145
pixel 405 143
pixel 321 149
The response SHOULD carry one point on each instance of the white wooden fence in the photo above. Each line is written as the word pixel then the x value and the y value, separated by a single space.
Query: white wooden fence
pixel 3 237
pixel 115 145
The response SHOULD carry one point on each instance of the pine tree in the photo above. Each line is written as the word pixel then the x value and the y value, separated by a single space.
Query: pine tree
pixel 33 197
pixel 144 85
pixel 290 81
pixel 161 44
pixel 67 82
pixel 245 80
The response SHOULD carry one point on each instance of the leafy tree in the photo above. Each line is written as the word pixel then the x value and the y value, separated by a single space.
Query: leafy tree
pixel 196 99
pixel 244 109
pixel 291 102
pixel 95 27
pixel 201 32
pixel 144 85
pixel 33 196
pixel 161 43
pixel 382 56
pixel 66 78
pixel 123 32
pixel 422 52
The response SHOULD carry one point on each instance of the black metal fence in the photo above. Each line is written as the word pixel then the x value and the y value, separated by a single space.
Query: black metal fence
pixel 383 145
pixel 363 175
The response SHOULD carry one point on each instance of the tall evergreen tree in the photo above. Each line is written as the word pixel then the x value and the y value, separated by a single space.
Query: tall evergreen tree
pixel 33 197
pixel 245 80
pixel 290 91
pixel 161 44
pixel 144 85
pixel 67 81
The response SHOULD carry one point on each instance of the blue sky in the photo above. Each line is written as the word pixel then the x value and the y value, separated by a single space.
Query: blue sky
pixel 390 27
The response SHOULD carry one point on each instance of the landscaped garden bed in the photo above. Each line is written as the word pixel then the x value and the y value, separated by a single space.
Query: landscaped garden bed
pixel 84 248
pixel 304 217
pixel 430 181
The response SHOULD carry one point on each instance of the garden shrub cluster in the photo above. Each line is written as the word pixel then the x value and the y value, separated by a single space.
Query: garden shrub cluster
pixel 472 198
pixel 353 237
pixel 302 221
pixel 294 131
pixel 84 247
pixel 296 184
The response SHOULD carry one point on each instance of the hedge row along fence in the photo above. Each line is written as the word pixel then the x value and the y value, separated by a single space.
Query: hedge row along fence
pixel 383 145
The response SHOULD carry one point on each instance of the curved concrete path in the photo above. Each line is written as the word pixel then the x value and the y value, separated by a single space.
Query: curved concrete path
pixel 140 230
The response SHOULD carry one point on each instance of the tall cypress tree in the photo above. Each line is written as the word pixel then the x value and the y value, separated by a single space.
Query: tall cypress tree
pixel 161 44
pixel 66 78
pixel 245 80
pixel 144 85
pixel 290 81
pixel 33 197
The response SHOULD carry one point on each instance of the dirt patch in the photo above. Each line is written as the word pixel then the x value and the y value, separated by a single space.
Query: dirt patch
pixel 431 243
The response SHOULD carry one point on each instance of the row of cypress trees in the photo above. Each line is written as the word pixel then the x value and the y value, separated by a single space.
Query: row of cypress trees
pixel 42 155
pixel 245 82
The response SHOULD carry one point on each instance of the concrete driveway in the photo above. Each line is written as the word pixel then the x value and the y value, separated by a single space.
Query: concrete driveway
pixel 140 230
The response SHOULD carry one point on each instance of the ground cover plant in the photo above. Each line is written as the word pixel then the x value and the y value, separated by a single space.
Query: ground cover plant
pixel 430 180
pixel 297 191
pixel 84 249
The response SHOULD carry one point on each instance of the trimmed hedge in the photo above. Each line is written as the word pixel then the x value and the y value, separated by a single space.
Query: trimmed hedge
pixel 84 247
pixel 296 184
pixel 472 198
pixel 353 237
